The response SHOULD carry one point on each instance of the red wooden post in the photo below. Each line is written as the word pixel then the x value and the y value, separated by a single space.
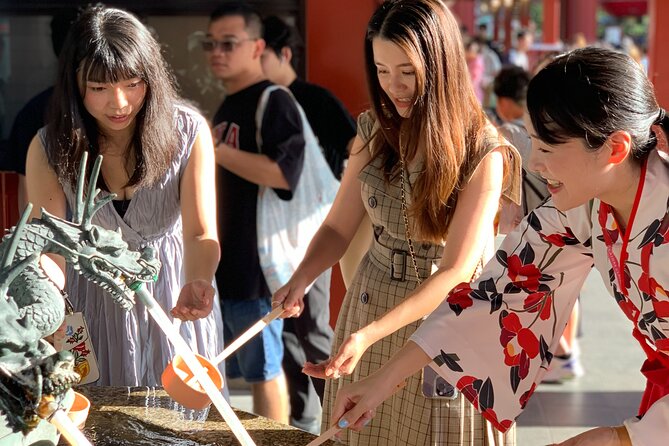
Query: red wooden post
pixel 581 17
pixel 658 33
pixel 551 28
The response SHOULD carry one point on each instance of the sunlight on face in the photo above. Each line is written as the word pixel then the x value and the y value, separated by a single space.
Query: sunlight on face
pixel 114 106
pixel 573 172
pixel 396 74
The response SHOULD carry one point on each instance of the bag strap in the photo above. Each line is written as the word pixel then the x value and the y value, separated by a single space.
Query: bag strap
pixel 260 111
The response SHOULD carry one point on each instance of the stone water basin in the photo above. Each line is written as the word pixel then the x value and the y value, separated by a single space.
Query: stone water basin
pixel 147 416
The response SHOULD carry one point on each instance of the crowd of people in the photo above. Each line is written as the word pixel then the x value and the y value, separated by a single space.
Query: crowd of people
pixel 455 148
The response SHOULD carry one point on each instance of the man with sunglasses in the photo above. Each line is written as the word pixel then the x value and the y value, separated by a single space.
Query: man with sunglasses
pixel 233 48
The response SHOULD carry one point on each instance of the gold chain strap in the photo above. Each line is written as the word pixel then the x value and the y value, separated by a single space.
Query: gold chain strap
pixel 406 218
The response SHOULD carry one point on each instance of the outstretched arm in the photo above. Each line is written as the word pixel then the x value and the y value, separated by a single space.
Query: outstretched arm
pixel 355 400
pixel 201 248
pixel 464 249
pixel 333 237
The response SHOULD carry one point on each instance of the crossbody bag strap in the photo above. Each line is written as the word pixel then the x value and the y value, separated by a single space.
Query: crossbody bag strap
pixel 260 111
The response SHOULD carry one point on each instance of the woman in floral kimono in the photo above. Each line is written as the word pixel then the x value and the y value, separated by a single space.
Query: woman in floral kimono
pixel 593 119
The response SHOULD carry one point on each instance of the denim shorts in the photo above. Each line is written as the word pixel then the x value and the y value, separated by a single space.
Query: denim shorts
pixel 258 360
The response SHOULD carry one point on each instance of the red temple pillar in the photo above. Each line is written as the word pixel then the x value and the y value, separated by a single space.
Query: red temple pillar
pixel 551 26
pixel 335 35
pixel 658 32
pixel 508 30
pixel 581 17
pixel 525 14
pixel 464 11
pixel 497 24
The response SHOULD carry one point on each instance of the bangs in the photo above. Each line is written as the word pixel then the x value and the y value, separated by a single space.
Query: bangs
pixel 107 66
pixel 551 107
pixel 548 130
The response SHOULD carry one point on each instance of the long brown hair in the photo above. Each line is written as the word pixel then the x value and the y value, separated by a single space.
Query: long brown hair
pixel 110 45
pixel 446 118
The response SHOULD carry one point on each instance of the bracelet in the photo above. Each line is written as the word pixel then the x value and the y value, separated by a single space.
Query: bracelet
pixel 623 435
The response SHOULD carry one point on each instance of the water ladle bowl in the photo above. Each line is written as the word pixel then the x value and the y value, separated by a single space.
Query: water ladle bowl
pixel 78 412
pixel 178 381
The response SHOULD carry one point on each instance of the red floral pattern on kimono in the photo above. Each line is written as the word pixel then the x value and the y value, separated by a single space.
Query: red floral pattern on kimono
pixel 495 337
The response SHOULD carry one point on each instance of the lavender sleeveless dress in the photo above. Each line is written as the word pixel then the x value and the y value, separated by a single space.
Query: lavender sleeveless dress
pixel 131 349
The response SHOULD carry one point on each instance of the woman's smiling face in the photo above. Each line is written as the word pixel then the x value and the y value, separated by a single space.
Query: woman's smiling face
pixel 396 74
pixel 574 173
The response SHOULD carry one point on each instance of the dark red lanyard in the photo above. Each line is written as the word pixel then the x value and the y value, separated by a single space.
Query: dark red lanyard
pixel 604 211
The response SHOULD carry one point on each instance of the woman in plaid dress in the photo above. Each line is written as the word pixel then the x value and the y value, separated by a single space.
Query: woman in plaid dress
pixel 425 163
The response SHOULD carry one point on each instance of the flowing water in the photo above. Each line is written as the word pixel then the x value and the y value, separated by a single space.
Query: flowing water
pixel 118 429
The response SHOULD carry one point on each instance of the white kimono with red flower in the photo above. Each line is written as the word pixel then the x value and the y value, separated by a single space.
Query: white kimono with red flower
pixel 494 338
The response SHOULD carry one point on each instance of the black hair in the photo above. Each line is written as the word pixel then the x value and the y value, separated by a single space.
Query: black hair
pixel 109 45
pixel 61 22
pixel 590 93
pixel 278 35
pixel 242 9
pixel 511 82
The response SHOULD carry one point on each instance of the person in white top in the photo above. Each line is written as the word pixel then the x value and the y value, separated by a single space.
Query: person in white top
pixel 518 54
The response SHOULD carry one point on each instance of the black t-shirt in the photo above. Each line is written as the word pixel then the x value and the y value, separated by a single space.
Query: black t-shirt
pixel 28 121
pixel 239 275
pixel 332 124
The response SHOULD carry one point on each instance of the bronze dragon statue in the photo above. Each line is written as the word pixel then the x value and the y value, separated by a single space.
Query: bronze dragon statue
pixel 32 306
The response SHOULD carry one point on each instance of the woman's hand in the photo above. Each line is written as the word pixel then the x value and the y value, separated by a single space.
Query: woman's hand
pixel 356 402
pixel 348 355
pixel 196 301
pixel 344 363
pixel 317 370
pixel 291 297
pixel 601 436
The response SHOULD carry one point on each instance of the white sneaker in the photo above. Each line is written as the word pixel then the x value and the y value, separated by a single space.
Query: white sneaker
pixel 563 370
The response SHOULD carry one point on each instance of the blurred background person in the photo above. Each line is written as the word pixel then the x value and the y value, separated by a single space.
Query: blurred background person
pixel 518 54
pixel 331 122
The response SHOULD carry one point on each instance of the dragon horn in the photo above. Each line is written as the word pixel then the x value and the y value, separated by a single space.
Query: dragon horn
pixel 79 205
pixel 8 255
pixel 90 208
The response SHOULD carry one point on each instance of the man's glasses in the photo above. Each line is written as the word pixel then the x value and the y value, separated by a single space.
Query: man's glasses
pixel 226 46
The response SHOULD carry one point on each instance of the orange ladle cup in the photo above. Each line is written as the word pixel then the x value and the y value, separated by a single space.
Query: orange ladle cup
pixel 179 382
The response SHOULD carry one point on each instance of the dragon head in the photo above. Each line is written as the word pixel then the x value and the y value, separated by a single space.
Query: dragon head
pixel 33 378
pixel 100 255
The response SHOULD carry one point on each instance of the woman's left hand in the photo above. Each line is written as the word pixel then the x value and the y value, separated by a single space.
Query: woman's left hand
pixel 600 436
pixel 196 301
pixel 356 402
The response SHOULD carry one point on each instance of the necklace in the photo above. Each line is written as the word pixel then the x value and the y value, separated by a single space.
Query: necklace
pixel 405 216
